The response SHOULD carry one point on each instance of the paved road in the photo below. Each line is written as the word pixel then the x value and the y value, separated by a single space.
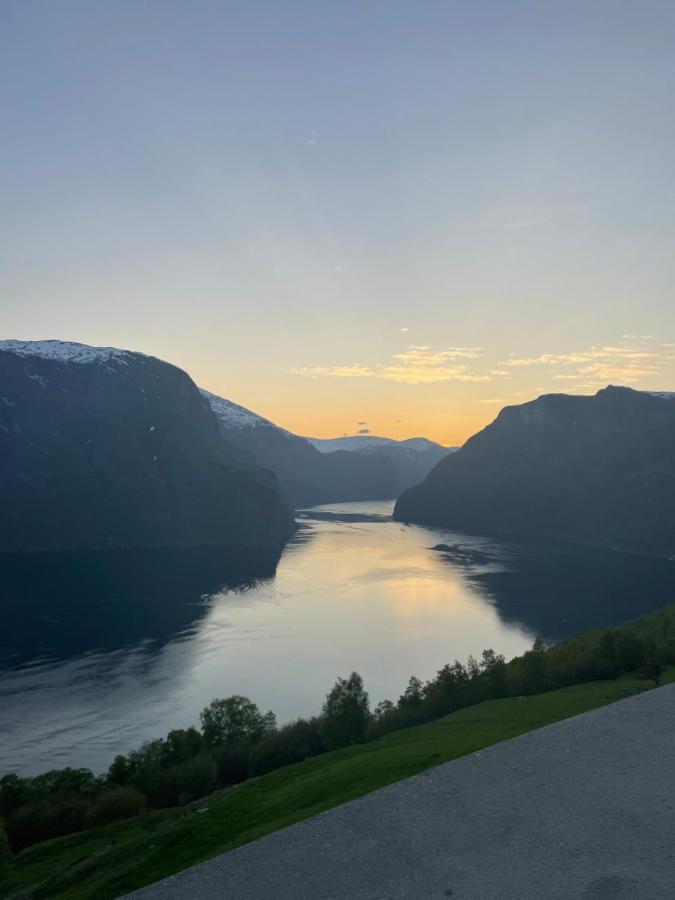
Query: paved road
pixel 580 809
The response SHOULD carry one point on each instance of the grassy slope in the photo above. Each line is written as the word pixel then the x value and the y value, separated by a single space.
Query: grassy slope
pixel 110 861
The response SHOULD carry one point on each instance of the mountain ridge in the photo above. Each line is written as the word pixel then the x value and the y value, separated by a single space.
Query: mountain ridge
pixel 595 470
pixel 107 448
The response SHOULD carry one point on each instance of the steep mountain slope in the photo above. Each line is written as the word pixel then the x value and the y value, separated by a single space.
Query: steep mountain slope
pixel 314 471
pixel 102 447
pixel 593 470
pixel 309 477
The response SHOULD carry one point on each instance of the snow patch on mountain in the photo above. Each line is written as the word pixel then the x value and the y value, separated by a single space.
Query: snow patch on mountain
pixel 66 351
pixel 234 416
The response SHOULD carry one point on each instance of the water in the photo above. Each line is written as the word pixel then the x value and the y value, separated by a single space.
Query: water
pixel 101 651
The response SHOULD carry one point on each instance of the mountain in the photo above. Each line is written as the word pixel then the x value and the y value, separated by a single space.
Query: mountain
pixel 412 459
pixel 104 448
pixel 594 470
pixel 374 442
pixel 307 476
pixel 312 473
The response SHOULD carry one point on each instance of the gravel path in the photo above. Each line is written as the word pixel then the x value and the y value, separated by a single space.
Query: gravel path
pixel 580 809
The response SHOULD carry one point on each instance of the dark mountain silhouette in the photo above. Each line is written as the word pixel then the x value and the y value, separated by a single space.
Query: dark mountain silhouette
pixel 103 448
pixel 591 470
pixel 367 469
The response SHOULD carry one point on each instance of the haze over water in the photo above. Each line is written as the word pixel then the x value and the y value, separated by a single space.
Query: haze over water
pixel 352 591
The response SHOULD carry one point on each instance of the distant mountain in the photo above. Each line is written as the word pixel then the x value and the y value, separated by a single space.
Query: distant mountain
pixel 373 442
pixel 363 468
pixel 591 470
pixel 412 459
pixel 104 448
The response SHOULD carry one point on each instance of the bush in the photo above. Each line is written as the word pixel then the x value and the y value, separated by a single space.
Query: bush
pixel 194 778
pixel 44 819
pixel 291 744
pixel 115 804
pixel 232 765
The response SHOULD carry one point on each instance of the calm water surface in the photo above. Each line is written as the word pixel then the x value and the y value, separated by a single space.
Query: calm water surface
pixel 101 651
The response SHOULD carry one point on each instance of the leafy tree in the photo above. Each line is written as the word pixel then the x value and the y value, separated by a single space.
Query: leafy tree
pixel 652 671
pixel 181 745
pixel 119 772
pixel 448 690
pixel 534 668
pixel 81 782
pixel 14 793
pixel 413 696
pixel 494 672
pixel 235 720
pixel 345 713
pixel 383 709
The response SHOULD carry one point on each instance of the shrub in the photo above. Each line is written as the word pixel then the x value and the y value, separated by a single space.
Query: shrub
pixel 44 819
pixel 194 778
pixel 232 765
pixel 115 804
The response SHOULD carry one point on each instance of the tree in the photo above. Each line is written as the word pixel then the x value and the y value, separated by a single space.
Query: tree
pixel 14 792
pixel 413 695
pixel 119 772
pixel 181 745
pixel 652 671
pixel 346 712
pixel 534 668
pixel 472 667
pixel 494 672
pixel 235 720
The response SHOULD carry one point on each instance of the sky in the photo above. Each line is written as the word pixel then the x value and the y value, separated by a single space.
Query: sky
pixel 379 215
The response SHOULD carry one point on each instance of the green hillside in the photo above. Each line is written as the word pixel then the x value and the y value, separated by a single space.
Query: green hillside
pixel 110 861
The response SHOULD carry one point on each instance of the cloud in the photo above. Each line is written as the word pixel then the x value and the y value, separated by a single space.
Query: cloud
pixel 635 358
pixel 354 371
pixel 310 138
pixel 363 431
pixel 416 365
pixel 361 423
pixel 404 330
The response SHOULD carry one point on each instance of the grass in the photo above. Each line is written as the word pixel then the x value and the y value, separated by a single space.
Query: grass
pixel 110 861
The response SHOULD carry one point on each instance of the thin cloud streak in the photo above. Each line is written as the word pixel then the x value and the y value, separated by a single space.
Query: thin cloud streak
pixel 416 365
pixel 636 358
